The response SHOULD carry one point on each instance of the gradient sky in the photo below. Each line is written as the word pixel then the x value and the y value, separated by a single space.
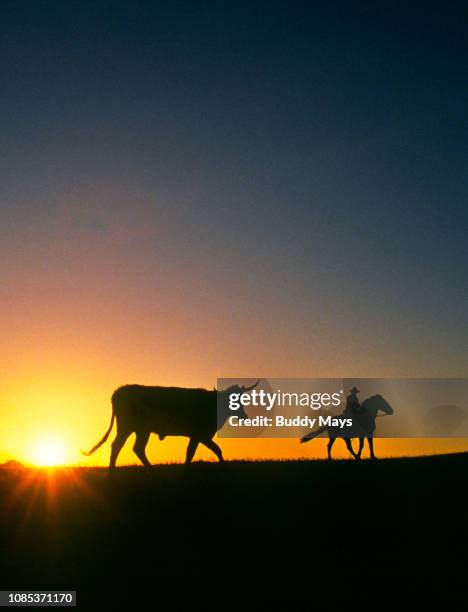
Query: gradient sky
pixel 200 190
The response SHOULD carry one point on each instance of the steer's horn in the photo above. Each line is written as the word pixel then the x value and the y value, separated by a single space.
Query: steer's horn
pixel 253 386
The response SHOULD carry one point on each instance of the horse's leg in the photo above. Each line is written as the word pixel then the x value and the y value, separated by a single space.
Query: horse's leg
pixel 371 447
pixel 331 442
pixel 349 446
pixel 361 446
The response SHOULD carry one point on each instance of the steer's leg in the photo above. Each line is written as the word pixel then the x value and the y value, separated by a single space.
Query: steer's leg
pixel 215 448
pixel 191 448
pixel 139 448
pixel 116 447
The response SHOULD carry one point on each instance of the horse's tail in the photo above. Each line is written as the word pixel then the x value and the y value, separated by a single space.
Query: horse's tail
pixel 313 434
pixel 103 439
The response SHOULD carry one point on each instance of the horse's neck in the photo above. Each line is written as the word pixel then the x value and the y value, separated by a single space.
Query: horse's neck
pixel 372 410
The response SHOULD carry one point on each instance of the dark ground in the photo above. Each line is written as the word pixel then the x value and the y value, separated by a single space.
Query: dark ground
pixel 260 533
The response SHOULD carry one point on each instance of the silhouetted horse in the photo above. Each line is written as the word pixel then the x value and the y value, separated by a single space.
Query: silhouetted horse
pixel 363 426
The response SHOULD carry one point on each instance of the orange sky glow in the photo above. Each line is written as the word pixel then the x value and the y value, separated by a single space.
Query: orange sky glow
pixel 186 196
pixel 47 418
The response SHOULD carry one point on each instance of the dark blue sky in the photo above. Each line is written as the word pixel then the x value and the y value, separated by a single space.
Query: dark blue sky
pixel 186 174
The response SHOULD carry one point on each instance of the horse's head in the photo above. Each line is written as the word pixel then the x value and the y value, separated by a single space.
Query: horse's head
pixel 377 403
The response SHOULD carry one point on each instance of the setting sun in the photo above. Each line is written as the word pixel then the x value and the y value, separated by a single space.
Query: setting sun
pixel 49 452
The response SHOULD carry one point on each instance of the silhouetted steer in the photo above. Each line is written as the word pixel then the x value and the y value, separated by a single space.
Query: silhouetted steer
pixel 168 411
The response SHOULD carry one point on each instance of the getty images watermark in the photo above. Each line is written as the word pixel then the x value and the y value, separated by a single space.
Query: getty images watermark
pixel 288 408
pixel 259 398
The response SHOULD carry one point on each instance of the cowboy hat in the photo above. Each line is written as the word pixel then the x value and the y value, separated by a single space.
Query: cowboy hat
pixel 354 390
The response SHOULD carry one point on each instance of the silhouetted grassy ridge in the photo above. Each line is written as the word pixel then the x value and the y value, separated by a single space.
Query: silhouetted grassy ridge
pixel 184 531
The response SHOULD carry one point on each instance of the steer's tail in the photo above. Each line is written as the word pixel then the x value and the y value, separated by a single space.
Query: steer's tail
pixel 103 439
pixel 312 434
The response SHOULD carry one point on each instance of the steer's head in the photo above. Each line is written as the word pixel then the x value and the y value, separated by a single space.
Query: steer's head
pixel 229 402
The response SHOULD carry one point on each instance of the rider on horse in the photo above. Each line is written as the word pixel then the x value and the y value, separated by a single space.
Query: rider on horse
pixel 353 405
